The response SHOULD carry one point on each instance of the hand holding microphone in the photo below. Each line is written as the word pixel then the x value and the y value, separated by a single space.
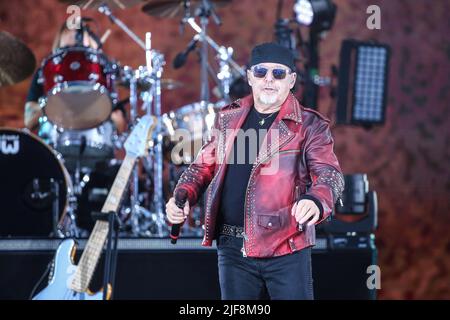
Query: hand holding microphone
pixel 177 209
pixel 306 213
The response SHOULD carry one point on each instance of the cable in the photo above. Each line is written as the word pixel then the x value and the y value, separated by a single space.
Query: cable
pixel 47 270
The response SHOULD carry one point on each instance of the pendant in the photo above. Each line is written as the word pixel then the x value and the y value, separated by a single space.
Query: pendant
pixel 261 122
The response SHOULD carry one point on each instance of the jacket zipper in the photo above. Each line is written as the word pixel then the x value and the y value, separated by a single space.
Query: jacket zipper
pixel 257 163
pixel 208 204
pixel 244 252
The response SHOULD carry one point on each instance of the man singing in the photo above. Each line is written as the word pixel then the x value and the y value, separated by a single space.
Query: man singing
pixel 264 195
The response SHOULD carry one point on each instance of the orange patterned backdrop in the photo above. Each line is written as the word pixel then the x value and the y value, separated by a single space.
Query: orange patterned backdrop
pixel 407 159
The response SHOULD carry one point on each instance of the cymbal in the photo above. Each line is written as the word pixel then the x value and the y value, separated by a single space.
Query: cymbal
pixel 174 8
pixel 17 61
pixel 94 4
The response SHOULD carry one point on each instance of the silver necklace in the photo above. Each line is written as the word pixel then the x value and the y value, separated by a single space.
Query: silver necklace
pixel 263 120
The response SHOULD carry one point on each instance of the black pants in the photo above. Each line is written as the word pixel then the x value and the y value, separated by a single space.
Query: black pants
pixel 287 277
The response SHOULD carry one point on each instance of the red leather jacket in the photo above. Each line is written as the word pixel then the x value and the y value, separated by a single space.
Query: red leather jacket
pixel 299 141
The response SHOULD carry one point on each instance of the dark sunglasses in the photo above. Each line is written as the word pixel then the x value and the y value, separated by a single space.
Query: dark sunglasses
pixel 277 73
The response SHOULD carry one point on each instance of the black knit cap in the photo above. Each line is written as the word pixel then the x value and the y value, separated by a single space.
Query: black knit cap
pixel 272 52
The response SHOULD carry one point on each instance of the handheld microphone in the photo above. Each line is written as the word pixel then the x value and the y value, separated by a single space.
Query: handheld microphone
pixel 180 200
pixel 181 58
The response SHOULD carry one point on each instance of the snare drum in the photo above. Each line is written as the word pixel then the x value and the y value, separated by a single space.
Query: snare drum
pixel 27 166
pixel 79 86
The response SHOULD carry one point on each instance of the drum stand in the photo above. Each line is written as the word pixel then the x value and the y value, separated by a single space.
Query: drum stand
pixel 224 77
pixel 142 220
pixel 62 228
pixel 73 230
pixel 55 207
pixel 158 173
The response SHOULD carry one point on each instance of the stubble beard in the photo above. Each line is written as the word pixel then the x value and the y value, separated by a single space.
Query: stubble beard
pixel 267 99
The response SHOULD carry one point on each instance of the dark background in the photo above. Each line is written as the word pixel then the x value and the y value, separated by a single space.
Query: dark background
pixel 171 273
pixel 407 159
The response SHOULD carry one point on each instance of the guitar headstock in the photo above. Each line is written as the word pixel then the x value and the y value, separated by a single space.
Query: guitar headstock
pixel 137 142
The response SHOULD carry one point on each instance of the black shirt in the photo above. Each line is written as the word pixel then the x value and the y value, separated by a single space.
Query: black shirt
pixel 240 163
pixel 36 90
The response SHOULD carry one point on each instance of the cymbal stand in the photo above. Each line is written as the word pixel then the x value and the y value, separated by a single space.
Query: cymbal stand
pixel 107 12
pixel 204 88
pixel 224 75
pixel 134 196
pixel 204 11
pixel 214 45
pixel 141 218
pixel 224 54
pixel 144 222
pixel 158 217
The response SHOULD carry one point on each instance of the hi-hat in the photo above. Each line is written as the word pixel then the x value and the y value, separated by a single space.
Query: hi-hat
pixel 174 8
pixel 17 61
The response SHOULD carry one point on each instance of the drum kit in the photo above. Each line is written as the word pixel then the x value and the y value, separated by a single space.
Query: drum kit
pixel 55 179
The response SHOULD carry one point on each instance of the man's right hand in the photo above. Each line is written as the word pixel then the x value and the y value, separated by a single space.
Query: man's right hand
pixel 176 215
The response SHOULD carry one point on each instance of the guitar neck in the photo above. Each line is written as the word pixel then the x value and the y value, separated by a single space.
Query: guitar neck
pixel 97 239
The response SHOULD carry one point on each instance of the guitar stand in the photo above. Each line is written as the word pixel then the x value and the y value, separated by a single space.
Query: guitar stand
pixel 54 189
pixel 114 225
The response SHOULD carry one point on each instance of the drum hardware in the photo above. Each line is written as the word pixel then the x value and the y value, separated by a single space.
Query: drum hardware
pixel 143 221
pixel 176 8
pixel 37 194
pixel 80 91
pixel 96 144
pixel 199 114
pixel 55 197
pixel 79 86
pixel 77 185
pixel 94 4
pixel 40 195
pixel 17 61
pixel 81 151
pixel 198 117
pixel 228 66
pixel 69 228
pixel 153 98
pixel 106 10
pixel 143 84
